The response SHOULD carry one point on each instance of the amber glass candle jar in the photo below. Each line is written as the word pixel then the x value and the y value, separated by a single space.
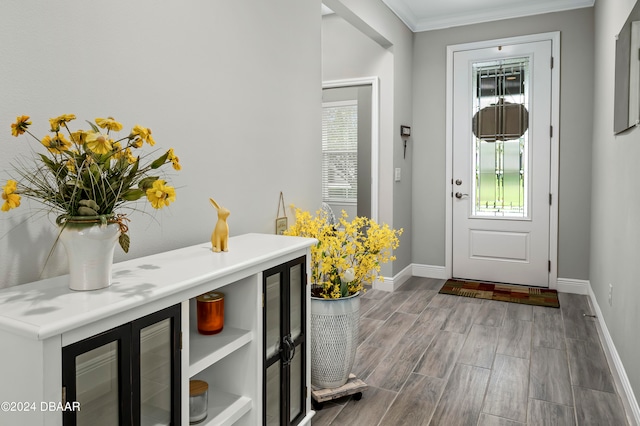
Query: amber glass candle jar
pixel 210 308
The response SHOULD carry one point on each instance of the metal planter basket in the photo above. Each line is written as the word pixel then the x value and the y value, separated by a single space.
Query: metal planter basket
pixel 335 325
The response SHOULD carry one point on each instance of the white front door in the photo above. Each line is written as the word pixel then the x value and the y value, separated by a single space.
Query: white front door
pixel 502 163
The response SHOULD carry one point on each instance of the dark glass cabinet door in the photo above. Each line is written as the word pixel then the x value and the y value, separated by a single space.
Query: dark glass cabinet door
pixel 284 343
pixel 129 375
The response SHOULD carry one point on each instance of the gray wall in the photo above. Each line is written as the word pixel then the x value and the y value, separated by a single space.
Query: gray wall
pixel 224 83
pixel 366 39
pixel 615 228
pixel 429 186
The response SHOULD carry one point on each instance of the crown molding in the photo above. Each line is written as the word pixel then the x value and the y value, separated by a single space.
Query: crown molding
pixel 476 16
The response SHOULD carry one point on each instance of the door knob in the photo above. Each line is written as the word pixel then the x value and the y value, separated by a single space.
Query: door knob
pixel 460 195
pixel 458 182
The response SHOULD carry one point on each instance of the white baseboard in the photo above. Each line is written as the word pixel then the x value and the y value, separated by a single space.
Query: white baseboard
pixel 384 284
pixel 569 285
pixel 391 284
pixel 620 375
pixel 565 285
pixel 429 271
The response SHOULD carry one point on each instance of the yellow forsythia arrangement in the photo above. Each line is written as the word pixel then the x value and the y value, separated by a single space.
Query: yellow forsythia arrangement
pixel 348 254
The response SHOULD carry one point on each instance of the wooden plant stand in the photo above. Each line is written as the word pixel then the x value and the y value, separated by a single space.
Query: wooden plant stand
pixel 354 386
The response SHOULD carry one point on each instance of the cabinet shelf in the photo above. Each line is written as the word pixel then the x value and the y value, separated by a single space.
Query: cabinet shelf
pixel 207 350
pixel 225 408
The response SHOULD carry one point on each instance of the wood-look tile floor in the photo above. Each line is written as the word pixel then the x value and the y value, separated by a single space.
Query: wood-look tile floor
pixel 433 359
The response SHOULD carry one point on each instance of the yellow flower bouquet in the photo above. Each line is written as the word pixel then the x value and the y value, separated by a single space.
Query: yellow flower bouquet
pixel 348 255
pixel 86 175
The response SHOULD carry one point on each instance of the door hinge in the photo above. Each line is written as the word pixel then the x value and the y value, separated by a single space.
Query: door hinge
pixel 550 199
pixel 263 300
pixel 550 131
pixel 64 396
pixel 181 340
pixel 549 266
pixel 552 62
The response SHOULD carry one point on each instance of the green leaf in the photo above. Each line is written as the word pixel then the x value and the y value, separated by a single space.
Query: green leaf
pixel 147 182
pixel 62 173
pixel 86 179
pixel 344 289
pixel 134 168
pixel 93 126
pixel 75 183
pixel 160 161
pixel 59 170
pixel 96 171
pixel 132 194
pixel 119 166
pixel 46 160
pixel 124 241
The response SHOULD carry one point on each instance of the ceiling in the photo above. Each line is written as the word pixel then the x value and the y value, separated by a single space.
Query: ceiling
pixel 424 15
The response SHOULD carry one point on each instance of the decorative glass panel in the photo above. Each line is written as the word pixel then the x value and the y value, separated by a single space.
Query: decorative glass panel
pixel 501 138
pixel 155 373
pixel 296 375
pixel 272 306
pixel 295 300
pixel 273 394
pixel 97 386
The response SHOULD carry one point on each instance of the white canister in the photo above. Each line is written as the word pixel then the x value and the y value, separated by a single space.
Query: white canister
pixel 198 401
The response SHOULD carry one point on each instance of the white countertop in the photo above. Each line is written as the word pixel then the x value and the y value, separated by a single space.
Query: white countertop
pixel 46 308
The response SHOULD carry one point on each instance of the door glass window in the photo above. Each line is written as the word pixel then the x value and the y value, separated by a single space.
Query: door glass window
pixel 155 373
pixel 500 138
pixel 296 385
pixel 97 386
pixel 272 408
pixel 295 301
pixel 273 325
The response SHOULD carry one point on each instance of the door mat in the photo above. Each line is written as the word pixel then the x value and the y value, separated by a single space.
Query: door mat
pixel 503 292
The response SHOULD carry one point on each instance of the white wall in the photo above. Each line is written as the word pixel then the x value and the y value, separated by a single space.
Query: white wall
pixel 430 191
pixel 224 83
pixel 615 228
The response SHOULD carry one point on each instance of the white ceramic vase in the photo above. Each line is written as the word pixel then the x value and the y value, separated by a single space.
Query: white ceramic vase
pixel 335 324
pixel 89 248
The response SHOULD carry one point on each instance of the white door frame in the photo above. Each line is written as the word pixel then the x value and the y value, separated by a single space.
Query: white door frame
pixel 555 147
pixel 375 133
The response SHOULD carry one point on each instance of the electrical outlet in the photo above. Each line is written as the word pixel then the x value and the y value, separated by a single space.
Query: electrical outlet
pixel 610 294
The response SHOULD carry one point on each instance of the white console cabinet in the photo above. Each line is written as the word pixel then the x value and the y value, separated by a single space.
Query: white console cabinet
pixel 39 319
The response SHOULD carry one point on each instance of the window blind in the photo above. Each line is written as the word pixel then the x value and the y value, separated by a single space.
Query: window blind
pixel 340 152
